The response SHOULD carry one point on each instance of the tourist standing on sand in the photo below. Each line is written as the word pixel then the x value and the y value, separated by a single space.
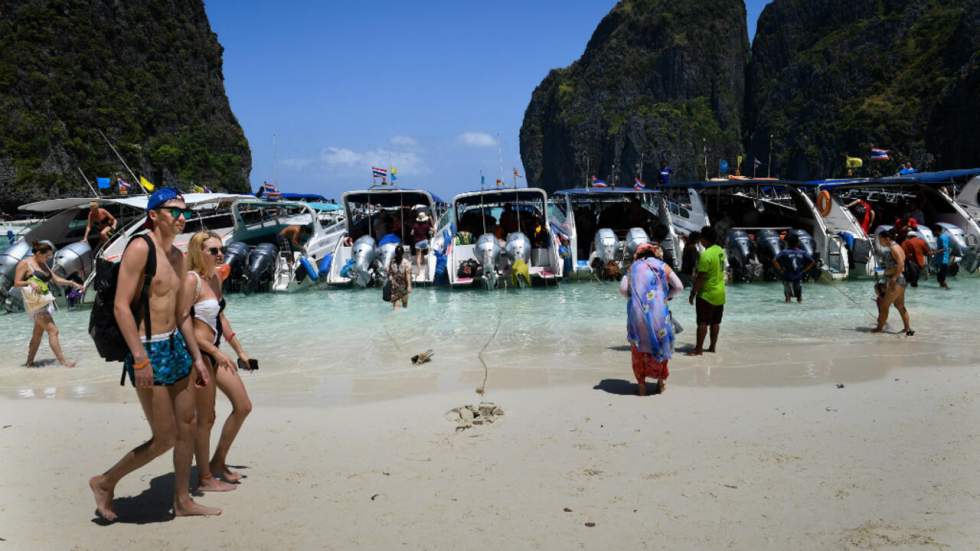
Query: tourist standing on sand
pixel 33 276
pixel 647 286
pixel 793 263
pixel 893 262
pixel 708 292
pixel 210 325
pixel 160 366
pixel 400 278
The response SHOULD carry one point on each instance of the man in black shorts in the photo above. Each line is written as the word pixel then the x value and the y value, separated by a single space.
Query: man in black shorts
pixel 708 291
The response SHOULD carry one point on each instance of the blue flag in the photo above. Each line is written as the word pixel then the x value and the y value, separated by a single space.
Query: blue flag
pixel 104 183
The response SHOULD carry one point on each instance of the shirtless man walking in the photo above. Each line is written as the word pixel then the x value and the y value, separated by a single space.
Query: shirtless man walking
pixel 161 368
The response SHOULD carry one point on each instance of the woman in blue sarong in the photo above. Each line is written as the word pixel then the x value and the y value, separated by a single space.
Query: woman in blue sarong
pixel 648 285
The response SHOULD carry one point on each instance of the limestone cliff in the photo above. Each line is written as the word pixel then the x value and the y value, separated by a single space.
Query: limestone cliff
pixel 659 79
pixel 145 72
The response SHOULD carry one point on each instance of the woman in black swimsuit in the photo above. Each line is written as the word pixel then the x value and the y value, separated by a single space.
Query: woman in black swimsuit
pixel 33 277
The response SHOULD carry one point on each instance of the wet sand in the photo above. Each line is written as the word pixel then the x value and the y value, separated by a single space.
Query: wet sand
pixel 754 448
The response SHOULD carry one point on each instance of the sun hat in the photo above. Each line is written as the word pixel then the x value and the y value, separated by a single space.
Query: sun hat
pixel 422 217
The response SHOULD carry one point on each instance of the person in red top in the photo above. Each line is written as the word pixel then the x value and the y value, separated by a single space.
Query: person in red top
pixel 864 212
pixel 421 232
pixel 916 254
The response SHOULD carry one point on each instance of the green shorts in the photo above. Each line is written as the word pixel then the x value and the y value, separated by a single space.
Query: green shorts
pixel 169 359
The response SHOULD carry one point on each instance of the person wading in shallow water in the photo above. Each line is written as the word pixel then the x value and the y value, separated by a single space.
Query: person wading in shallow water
pixel 708 292
pixel 33 277
pixel 400 278
pixel 210 325
pixel 893 262
pixel 648 285
pixel 159 367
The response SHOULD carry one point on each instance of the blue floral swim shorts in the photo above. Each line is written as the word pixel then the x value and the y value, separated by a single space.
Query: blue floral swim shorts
pixel 169 359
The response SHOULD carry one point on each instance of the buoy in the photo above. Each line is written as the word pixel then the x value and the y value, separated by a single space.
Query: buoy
pixel 823 203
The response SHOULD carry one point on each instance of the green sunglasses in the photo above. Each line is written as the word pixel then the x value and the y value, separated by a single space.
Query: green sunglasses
pixel 175 212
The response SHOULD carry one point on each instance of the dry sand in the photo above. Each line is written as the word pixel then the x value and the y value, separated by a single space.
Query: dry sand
pixel 887 462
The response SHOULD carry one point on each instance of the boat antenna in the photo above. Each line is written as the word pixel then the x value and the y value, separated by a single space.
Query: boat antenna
pixel 95 193
pixel 123 161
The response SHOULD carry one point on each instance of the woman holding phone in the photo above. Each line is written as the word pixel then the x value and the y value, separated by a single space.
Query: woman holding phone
pixel 203 286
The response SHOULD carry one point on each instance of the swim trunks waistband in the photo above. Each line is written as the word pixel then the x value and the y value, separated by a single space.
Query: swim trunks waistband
pixel 159 337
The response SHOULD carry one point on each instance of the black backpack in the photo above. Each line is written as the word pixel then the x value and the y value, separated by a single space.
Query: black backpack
pixel 102 326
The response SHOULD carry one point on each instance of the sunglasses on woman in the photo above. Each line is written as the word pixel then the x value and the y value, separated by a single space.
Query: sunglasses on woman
pixel 176 212
pixel 213 251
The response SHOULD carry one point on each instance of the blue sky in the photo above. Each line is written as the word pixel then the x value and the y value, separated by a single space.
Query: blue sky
pixel 437 89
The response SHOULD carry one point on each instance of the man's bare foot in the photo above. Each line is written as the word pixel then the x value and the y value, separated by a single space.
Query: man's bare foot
pixel 212 484
pixel 641 389
pixel 191 508
pixel 103 498
pixel 69 363
pixel 695 352
pixel 222 471
pixel 661 386
pixel 30 364
pixel 711 349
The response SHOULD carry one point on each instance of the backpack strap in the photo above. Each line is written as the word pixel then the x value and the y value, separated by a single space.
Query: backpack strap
pixel 149 270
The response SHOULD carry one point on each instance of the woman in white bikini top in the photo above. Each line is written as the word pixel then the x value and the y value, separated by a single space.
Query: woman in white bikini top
pixel 210 325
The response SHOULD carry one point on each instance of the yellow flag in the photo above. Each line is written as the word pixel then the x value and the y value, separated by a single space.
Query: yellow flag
pixel 146 184
pixel 197 189
pixel 854 162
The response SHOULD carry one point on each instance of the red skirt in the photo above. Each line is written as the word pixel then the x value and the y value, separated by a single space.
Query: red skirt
pixel 645 366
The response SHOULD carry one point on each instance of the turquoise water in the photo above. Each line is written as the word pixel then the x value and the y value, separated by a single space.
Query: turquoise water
pixel 330 346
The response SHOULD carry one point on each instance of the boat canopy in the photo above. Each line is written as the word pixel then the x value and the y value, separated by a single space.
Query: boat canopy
pixel 500 196
pixel 324 207
pixel 308 197
pixel 133 201
pixel 605 191
pixel 389 196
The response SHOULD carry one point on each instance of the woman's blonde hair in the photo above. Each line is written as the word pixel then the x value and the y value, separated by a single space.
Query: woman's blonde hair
pixel 195 249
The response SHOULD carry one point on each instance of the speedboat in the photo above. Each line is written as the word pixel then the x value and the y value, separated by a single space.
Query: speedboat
pixel 262 254
pixel 376 221
pixel 498 231
pixel 925 197
pixel 608 224
pixel 752 219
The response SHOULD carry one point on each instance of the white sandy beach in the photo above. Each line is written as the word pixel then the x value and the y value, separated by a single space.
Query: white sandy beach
pixel 888 462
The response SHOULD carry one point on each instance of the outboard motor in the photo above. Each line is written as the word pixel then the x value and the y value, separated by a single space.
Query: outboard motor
pixel 261 264
pixel 741 256
pixel 73 260
pixel 806 242
pixel 606 245
pixel 385 253
pixel 235 256
pixel 363 253
pixel 518 246
pixel 8 263
pixel 487 251
pixel 767 246
pixel 634 238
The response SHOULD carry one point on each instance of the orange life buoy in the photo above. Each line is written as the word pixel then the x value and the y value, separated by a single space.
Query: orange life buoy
pixel 823 203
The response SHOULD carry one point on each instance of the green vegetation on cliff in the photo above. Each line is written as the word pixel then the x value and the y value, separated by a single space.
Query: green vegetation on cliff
pixel 659 79
pixel 146 73
pixel 829 77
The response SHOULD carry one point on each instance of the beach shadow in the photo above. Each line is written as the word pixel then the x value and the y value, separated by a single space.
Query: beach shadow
pixel 155 504
pixel 47 362
pixel 620 348
pixel 684 348
pixel 621 387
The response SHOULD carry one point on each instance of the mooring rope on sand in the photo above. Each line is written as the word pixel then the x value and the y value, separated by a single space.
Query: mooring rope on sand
pixel 482 390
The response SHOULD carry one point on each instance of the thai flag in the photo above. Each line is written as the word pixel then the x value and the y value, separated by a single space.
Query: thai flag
pixel 597 182
pixel 378 172
pixel 123 185
pixel 638 184
pixel 879 154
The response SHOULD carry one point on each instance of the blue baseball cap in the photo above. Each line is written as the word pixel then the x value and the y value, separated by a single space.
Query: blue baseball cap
pixel 161 196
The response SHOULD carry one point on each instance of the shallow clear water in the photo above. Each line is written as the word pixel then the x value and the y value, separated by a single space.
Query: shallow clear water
pixel 330 346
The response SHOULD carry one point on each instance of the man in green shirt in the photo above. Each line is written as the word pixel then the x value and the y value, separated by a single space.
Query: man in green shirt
pixel 708 291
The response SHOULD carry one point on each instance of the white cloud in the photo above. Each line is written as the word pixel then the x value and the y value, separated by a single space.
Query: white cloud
pixel 408 163
pixel 404 141
pixel 477 139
